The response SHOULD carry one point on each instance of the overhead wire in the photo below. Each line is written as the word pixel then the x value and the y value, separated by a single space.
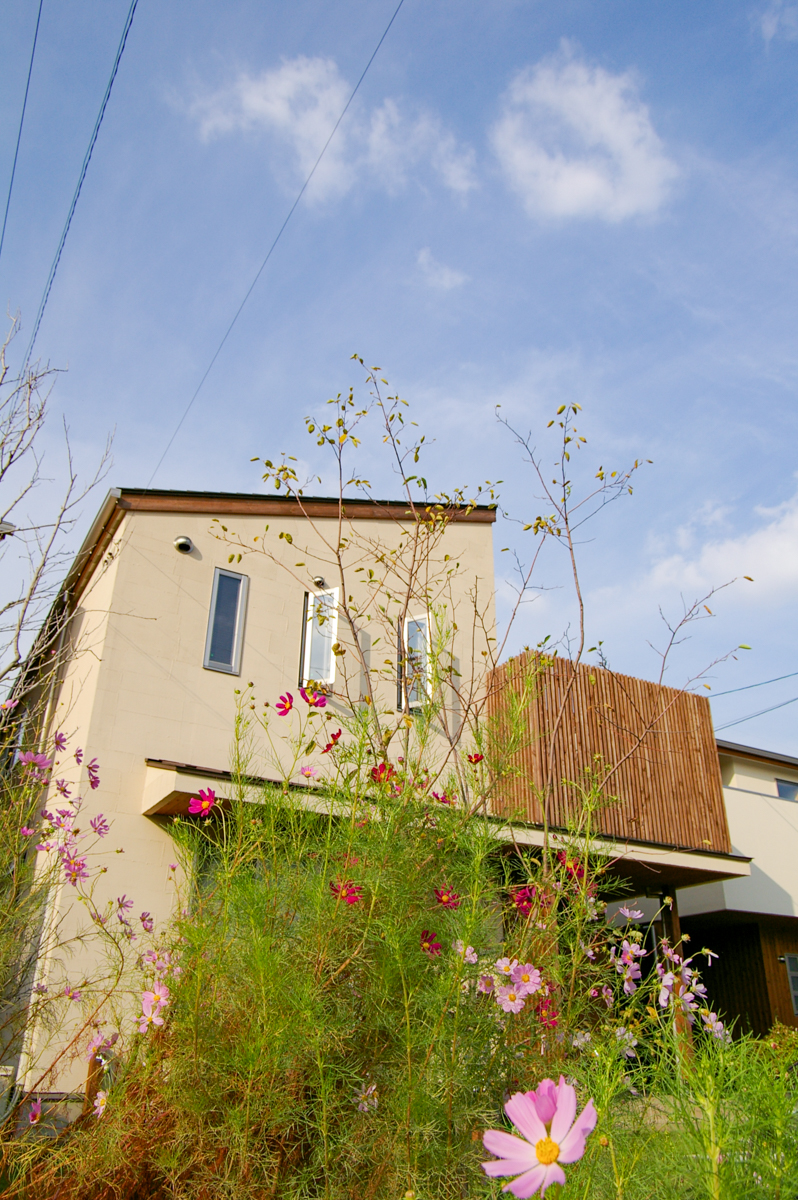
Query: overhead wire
pixel 748 686
pixel 84 168
pixel 21 123
pixel 273 246
pixel 750 717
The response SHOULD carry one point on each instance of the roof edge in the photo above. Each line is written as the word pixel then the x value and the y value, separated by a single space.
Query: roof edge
pixel 769 756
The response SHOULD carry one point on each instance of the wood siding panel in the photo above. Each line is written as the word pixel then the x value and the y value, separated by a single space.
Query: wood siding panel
pixel 665 785
pixel 779 938
pixel 736 982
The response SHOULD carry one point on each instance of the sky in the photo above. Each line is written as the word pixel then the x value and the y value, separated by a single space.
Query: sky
pixel 526 205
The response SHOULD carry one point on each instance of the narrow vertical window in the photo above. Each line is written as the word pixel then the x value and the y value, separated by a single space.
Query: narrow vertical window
pixel 226 622
pixel 319 637
pixel 414 666
pixel 791 961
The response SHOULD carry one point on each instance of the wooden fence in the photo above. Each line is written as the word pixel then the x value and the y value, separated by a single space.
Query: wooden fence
pixel 666 783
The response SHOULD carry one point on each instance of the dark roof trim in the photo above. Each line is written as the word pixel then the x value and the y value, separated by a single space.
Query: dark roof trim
pixel 766 756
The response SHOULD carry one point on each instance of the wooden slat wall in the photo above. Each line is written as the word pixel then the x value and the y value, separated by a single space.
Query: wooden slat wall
pixel 736 982
pixel 779 938
pixel 668 790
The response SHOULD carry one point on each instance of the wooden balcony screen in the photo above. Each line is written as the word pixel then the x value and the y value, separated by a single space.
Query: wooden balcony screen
pixel 668 789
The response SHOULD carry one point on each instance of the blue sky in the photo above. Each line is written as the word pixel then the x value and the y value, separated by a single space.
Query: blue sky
pixel 527 204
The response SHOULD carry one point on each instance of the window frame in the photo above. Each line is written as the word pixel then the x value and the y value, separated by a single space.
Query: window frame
pixel 306 646
pixel 792 785
pixel 233 668
pixel 792 979
pixel 403 643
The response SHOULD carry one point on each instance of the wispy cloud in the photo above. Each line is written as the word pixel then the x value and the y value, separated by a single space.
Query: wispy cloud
pixel 573 140
pixel 778 19
pixel 437 274
pixel 298 104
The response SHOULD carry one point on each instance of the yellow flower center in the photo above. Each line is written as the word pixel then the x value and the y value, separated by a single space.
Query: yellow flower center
pixel 511 997
pixel 525 978
pixel 547 1151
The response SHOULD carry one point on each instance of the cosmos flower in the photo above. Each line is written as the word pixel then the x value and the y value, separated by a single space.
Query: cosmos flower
pixel 147 1016
pixel 526 976
pixel 285 704
pixel 308 772
pixel 93 768
pixel 75 868
pixel 486 984
pixel 147 922
pixel 7 705
pixel 631 914
pixel 26 831
pixel 382 773
pixel 475 758
pixel 331 744
pixel 444 798
pixel 313 698
pixel 510 998
pixel 203 803
pixel 78 756
pixel 100 1101
pixel 366 1098
pixel 523 898
pixel 100 825
pixel 37 762
pixel 72 993
pixel 60 742
pixel 34 1116
pixel 468 953
pixel 349 892
pixel 505 967
pixel 447 898
pixel 551 1136
pixel 429 945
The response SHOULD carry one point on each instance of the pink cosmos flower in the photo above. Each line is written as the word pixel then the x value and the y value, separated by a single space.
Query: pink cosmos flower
pixel 147 922
pixel 468 953
pixel 447 898
pixel 505 967
pixel 313 698
pixel 100 825
pixel 159 994
pixel 173 866
pixel 510 998
pixel 72 993
pixel 429 945
pixel 147 1017
pixel 93 768
pixel 485 984
pixel 331 744
pixel 78 756
pixel 75 868
pixel 99 1044
pixel 631 914
pixel 63 789
pixel 60 741
pixel 7 705
pixel 349 892
pixel 122 903
pixel 203 803
pixel 444 798
pixel 100 1101
pixel 366 1098
pixel 34 1116
pixel 285 704
pixel 551 1136
pixel 526 976
pixel 26 831
pixel 309 772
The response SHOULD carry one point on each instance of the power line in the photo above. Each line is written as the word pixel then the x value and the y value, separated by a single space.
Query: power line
pixel 21 123
pixel 751 716
pixel 83 170
pixel 280 232
pixel 748 686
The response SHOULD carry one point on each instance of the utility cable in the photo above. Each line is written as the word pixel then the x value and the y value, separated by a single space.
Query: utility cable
pixel 751 716
pixel 21 123
pixel 273 246
pixel 748 686
pixel 83 170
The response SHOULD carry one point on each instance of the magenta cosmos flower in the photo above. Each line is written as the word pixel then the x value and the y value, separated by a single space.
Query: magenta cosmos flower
pixel 285 704
pixel 383 773
pixel 349 892
pixel 475 758
pixel 203 803
pixel 313 698
pixel 447 898
pixel 545 1119
pixel 429 945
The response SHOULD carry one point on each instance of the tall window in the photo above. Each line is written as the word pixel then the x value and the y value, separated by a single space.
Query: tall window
pixel 226 622
pixel 791 961
pixel 320 631
pixel 413 664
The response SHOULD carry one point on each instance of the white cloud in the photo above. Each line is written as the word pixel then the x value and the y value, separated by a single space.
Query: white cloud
pixel 437 274
pixel 299 103
pixel 778 20
pixel 576 141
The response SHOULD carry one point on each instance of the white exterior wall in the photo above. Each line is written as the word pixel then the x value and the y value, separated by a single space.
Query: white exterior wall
pixel 136 687
pixel 763 827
